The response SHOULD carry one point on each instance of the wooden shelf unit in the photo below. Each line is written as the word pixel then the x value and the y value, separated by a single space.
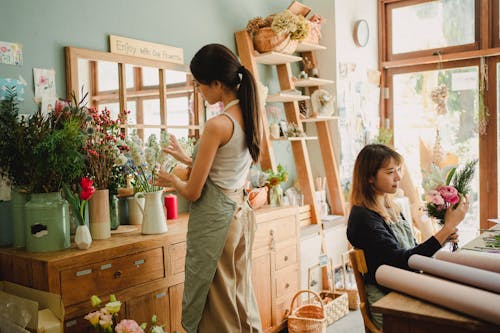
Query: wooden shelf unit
pixel 250 59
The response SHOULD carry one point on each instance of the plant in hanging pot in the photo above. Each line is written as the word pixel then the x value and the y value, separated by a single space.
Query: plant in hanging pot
pixel 104 150
pixel 78 204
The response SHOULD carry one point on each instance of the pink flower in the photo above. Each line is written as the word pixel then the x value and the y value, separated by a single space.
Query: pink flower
pixel 93 318
pixel 436 198
pixel 449 194
pixel 128 326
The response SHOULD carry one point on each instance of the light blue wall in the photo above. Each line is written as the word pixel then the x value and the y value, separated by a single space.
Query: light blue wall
pixel 44 27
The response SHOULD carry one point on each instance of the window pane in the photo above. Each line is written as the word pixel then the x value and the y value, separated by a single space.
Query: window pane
pixel 417 122
pixel 107 72
pixel 150 76
pixel 151 110
pixel 149 131
pixel 172 77
pixel 114 107
pixel 432 25
pixel 179 132
pixel 178 111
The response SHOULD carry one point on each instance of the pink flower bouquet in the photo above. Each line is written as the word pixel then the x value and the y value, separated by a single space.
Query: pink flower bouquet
pixel 447 189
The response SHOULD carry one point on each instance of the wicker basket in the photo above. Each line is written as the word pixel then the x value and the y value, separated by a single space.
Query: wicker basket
pixel 352 293
pixel 265 40
pixel 308 318
pixel 336 305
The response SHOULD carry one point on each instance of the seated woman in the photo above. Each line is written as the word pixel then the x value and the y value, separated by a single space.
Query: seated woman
pixel 376 225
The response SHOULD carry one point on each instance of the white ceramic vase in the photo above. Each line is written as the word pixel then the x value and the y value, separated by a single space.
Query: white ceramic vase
pixel 154 220
pixel 83 239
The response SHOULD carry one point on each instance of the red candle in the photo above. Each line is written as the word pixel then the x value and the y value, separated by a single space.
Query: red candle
pixel 171 206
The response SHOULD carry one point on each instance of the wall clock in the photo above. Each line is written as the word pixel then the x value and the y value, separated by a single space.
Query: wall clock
pixel 361 33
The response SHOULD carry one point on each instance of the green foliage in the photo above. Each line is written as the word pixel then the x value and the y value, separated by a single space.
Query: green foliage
pixel 463 177
pixel 17 135
pixel 275 178
pixel 58 156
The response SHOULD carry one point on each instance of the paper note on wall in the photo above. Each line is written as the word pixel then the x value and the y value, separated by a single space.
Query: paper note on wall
pixel 11 53
pixel 8 86
pixel 45 88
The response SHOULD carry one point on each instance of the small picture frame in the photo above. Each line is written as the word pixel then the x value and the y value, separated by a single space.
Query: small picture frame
pixel 284 128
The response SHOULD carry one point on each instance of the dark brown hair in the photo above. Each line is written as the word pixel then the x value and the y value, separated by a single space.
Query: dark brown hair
pixel 215 62
pixel 370 159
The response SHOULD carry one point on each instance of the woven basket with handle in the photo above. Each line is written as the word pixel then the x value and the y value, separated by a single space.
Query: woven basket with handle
pixel 266 40
pixel 307 318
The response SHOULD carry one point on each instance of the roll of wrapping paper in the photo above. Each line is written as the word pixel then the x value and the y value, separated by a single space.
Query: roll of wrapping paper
pixel 471 301
pixel 482 260
pixel 472 276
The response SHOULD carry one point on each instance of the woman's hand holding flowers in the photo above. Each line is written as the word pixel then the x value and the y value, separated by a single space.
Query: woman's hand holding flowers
pixel 175 149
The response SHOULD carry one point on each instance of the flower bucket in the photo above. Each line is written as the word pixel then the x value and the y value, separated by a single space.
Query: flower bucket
pixel 17 201
pixel 47 222
pixel 100 221
pixel 5 223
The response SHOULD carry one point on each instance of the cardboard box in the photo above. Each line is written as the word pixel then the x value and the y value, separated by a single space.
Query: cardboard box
pixel 44 310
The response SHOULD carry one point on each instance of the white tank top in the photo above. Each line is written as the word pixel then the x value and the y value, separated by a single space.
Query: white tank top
pixel 233 160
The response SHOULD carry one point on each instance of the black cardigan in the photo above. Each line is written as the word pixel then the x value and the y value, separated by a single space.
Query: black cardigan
pixel 368 231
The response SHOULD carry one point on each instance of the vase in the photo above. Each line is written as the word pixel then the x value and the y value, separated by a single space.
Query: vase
pixel 47 222
pixel 99 220
pixel 134 210
pixel 113 212
pixel 17 201
pixel 5 223
pixel 275 196
pixel 123 210
pixel 153 213
pixel 83 239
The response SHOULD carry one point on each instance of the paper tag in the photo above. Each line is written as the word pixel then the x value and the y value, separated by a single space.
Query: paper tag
pixel 323 260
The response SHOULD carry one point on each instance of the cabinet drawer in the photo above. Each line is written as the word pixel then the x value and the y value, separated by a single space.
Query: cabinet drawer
pixel 177 253
pixel 282 309
pixel 102 278
pixel 286 257
pixel 270 233
pixel 286 281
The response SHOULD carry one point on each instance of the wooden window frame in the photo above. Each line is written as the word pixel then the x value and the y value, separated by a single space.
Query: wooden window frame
pixel 386 18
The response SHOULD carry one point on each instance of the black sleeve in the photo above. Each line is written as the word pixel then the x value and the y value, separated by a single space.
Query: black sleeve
pixel 368 231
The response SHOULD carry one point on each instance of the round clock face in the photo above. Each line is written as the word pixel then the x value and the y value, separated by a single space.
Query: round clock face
pixel 361 33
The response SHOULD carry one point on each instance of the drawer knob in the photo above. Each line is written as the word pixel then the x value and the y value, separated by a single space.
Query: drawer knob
pixel 286 258
pixel 117 274
pixel 287 285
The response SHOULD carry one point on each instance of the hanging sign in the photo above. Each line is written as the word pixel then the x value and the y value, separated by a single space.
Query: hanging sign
pixel 142 49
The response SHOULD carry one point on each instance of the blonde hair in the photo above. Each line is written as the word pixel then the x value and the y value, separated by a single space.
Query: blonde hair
pixel 371 159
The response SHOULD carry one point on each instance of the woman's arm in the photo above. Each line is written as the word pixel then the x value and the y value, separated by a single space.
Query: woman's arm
pixel 217 132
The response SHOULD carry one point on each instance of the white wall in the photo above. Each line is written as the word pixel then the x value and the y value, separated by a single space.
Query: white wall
pixel 337 36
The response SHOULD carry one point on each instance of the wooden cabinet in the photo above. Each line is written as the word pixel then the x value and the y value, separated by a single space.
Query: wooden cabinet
pixel 146 272
pixel 141 270
pixel 275 264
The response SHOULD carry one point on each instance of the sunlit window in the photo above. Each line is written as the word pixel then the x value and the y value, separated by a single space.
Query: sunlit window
pixel 432 25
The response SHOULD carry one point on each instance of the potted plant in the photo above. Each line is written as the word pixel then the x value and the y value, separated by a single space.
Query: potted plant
pixel 103 150
pixel 274 179
pixel 279 32
pixel 15 160
pixel 57 158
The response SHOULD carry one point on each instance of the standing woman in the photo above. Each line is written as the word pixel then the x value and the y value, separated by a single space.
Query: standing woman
pixel 218 293
pixel 376 225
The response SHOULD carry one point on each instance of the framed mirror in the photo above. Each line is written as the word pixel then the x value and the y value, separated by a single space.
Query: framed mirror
pixel 159 95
